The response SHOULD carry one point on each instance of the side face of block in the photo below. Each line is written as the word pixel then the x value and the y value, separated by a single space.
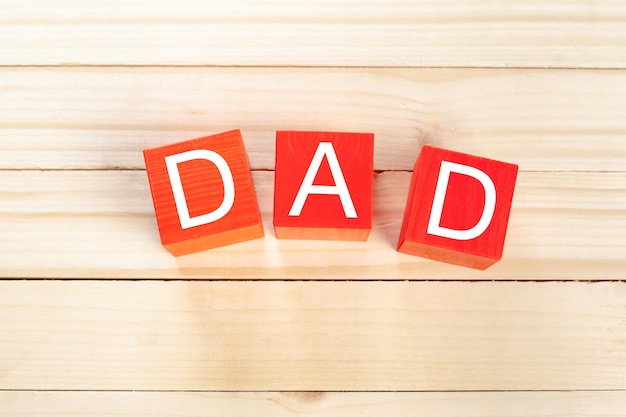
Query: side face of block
pixel 458 208
pixel 203 193
pixel 323 186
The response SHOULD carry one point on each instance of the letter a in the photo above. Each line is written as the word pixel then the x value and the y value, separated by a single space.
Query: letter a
pixel 299 158
pixel 324 149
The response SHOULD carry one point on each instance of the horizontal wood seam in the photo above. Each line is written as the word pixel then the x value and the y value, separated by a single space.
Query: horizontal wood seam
pixel 376 171
pixel 329 281
pixel 284 66
pixel 304 391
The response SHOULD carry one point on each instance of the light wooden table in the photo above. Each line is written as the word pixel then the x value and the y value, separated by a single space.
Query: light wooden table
pixel 96 318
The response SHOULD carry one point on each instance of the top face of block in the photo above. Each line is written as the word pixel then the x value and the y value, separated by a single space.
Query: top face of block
pixel 205 186
pixel 462 208
pixel 313 153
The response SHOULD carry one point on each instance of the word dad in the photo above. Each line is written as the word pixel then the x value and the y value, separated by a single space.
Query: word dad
pixel 457 209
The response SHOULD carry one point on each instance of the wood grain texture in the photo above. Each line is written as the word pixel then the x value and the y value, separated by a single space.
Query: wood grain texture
pixel 313 404
pixel 85 86
pixel 100 224
pixel 184 335
pixel 471 33
pixel 102 118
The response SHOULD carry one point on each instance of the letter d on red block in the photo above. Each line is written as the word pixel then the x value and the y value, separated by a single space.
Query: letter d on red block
pixel 203 193
pixel 458 208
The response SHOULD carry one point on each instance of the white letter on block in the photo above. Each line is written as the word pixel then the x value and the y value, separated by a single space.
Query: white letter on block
pixel 340 188
pixel 440 193
pixel 172 162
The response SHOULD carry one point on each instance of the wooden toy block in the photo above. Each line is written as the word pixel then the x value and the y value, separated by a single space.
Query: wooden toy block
pixel 458 208
pixel 203 193
pixel 323 185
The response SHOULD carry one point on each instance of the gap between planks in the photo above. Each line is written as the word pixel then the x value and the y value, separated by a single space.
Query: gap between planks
pixel 278 391
pixel 319 280
pixel 70 65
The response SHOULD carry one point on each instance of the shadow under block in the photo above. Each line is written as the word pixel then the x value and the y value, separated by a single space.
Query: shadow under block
pixel 203 193
pixel 458 208
pixel 323 185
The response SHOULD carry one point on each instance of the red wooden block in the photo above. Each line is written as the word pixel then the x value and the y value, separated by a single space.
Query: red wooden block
pixel 323 185
pixel 203 193
pixel 458 208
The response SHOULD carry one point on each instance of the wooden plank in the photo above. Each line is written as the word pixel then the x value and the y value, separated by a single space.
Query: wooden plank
pixel 101 224
pixel 473 33
pixel 95 118
pixel 284 404
pixel 303 335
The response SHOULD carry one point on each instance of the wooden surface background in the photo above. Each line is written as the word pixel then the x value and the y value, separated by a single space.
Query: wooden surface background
pixel 96 318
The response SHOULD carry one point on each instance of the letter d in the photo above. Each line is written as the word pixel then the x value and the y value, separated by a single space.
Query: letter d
pixel 440 193
pixel 186 221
